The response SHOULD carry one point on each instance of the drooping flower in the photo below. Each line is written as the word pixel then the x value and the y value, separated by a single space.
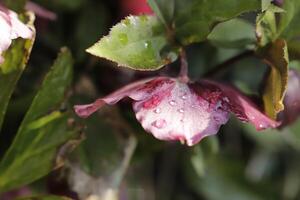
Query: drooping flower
pixel 11 28
pixel 292 99
pixel 174 110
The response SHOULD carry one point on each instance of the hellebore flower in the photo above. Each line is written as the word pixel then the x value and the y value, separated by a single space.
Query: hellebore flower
pixel 11 28
pixel 172 109
pixel 292 99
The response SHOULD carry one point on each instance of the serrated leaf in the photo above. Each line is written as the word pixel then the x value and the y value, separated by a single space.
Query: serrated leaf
pixel 194 19
pixel 276 56
pixel 235 33
pixel 41 132
pixel 16 58
pixel 164 9
pixel 136 42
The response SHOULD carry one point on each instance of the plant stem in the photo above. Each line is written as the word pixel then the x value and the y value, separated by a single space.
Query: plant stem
pixel 183 74
pixel 227 64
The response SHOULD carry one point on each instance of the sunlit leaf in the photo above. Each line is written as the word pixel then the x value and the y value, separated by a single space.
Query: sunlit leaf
pixel 136 42
pixel 42 131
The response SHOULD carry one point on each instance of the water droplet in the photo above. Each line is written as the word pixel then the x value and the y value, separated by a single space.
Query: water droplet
pixel 181 110
pixel 161 123
pixel 157 110
pixel 147 44
pixel 184 97
pixel 123 38
pixel 173 103
pixel 261 126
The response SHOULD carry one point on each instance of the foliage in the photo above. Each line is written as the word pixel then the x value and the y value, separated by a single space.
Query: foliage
pixel 253 45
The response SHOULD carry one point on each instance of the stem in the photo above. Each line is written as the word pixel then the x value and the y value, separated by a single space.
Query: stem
pixel 227 64
pixel 183 74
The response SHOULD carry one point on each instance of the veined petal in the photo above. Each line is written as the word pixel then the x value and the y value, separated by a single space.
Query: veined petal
pixel 243 107
pixel 181 113
pixel 137 91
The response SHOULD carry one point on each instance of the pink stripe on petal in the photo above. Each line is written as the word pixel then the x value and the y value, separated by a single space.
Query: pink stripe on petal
pixel 244 108
pixel 139 90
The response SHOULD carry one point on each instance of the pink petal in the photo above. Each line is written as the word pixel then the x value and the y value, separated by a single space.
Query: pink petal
pixel 40 11
pixel 139 90
pixel 181 113
pixel 291 101
pixel 243 107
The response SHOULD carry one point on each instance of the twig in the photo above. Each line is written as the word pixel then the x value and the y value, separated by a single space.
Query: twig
pixel 223 66
pixel 183 74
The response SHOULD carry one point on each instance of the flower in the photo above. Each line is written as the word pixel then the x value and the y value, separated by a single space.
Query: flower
pixel 291 100
pixel 174 110
pixel 11 28
pixel 135 7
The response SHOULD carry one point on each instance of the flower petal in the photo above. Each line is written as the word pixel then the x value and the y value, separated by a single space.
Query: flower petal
pixel 181 113
pixel 243 107
pixel 138 91
pixel 292 99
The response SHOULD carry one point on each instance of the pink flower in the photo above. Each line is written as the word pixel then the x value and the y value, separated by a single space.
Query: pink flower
pixel 174 110
pixel 291 102
pixel 11 28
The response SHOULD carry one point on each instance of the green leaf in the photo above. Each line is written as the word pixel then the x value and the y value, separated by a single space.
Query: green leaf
pixel 16 58
pixel 194 19
pixel 164 9
pixel 276 56
pixel 235 33
pixel 50 197
pixel 289 27
pixel 265 4
pixel 136 42
pixel 42 130
pixel 266 26
pixel 16 5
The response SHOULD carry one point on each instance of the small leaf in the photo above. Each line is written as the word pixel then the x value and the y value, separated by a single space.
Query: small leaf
pixel 50 197
pixel 164 9
pixel 266 26
pixel 194 19
pixel 136 42
pixel 276 56
pixel 42 131
pixel 235 33
pixel 11 70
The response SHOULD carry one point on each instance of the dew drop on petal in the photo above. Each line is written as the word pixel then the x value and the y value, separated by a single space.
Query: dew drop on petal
pixel 172 103
pixel 161 123
pixel 157 110
pixel 181 110
pixel 184 97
